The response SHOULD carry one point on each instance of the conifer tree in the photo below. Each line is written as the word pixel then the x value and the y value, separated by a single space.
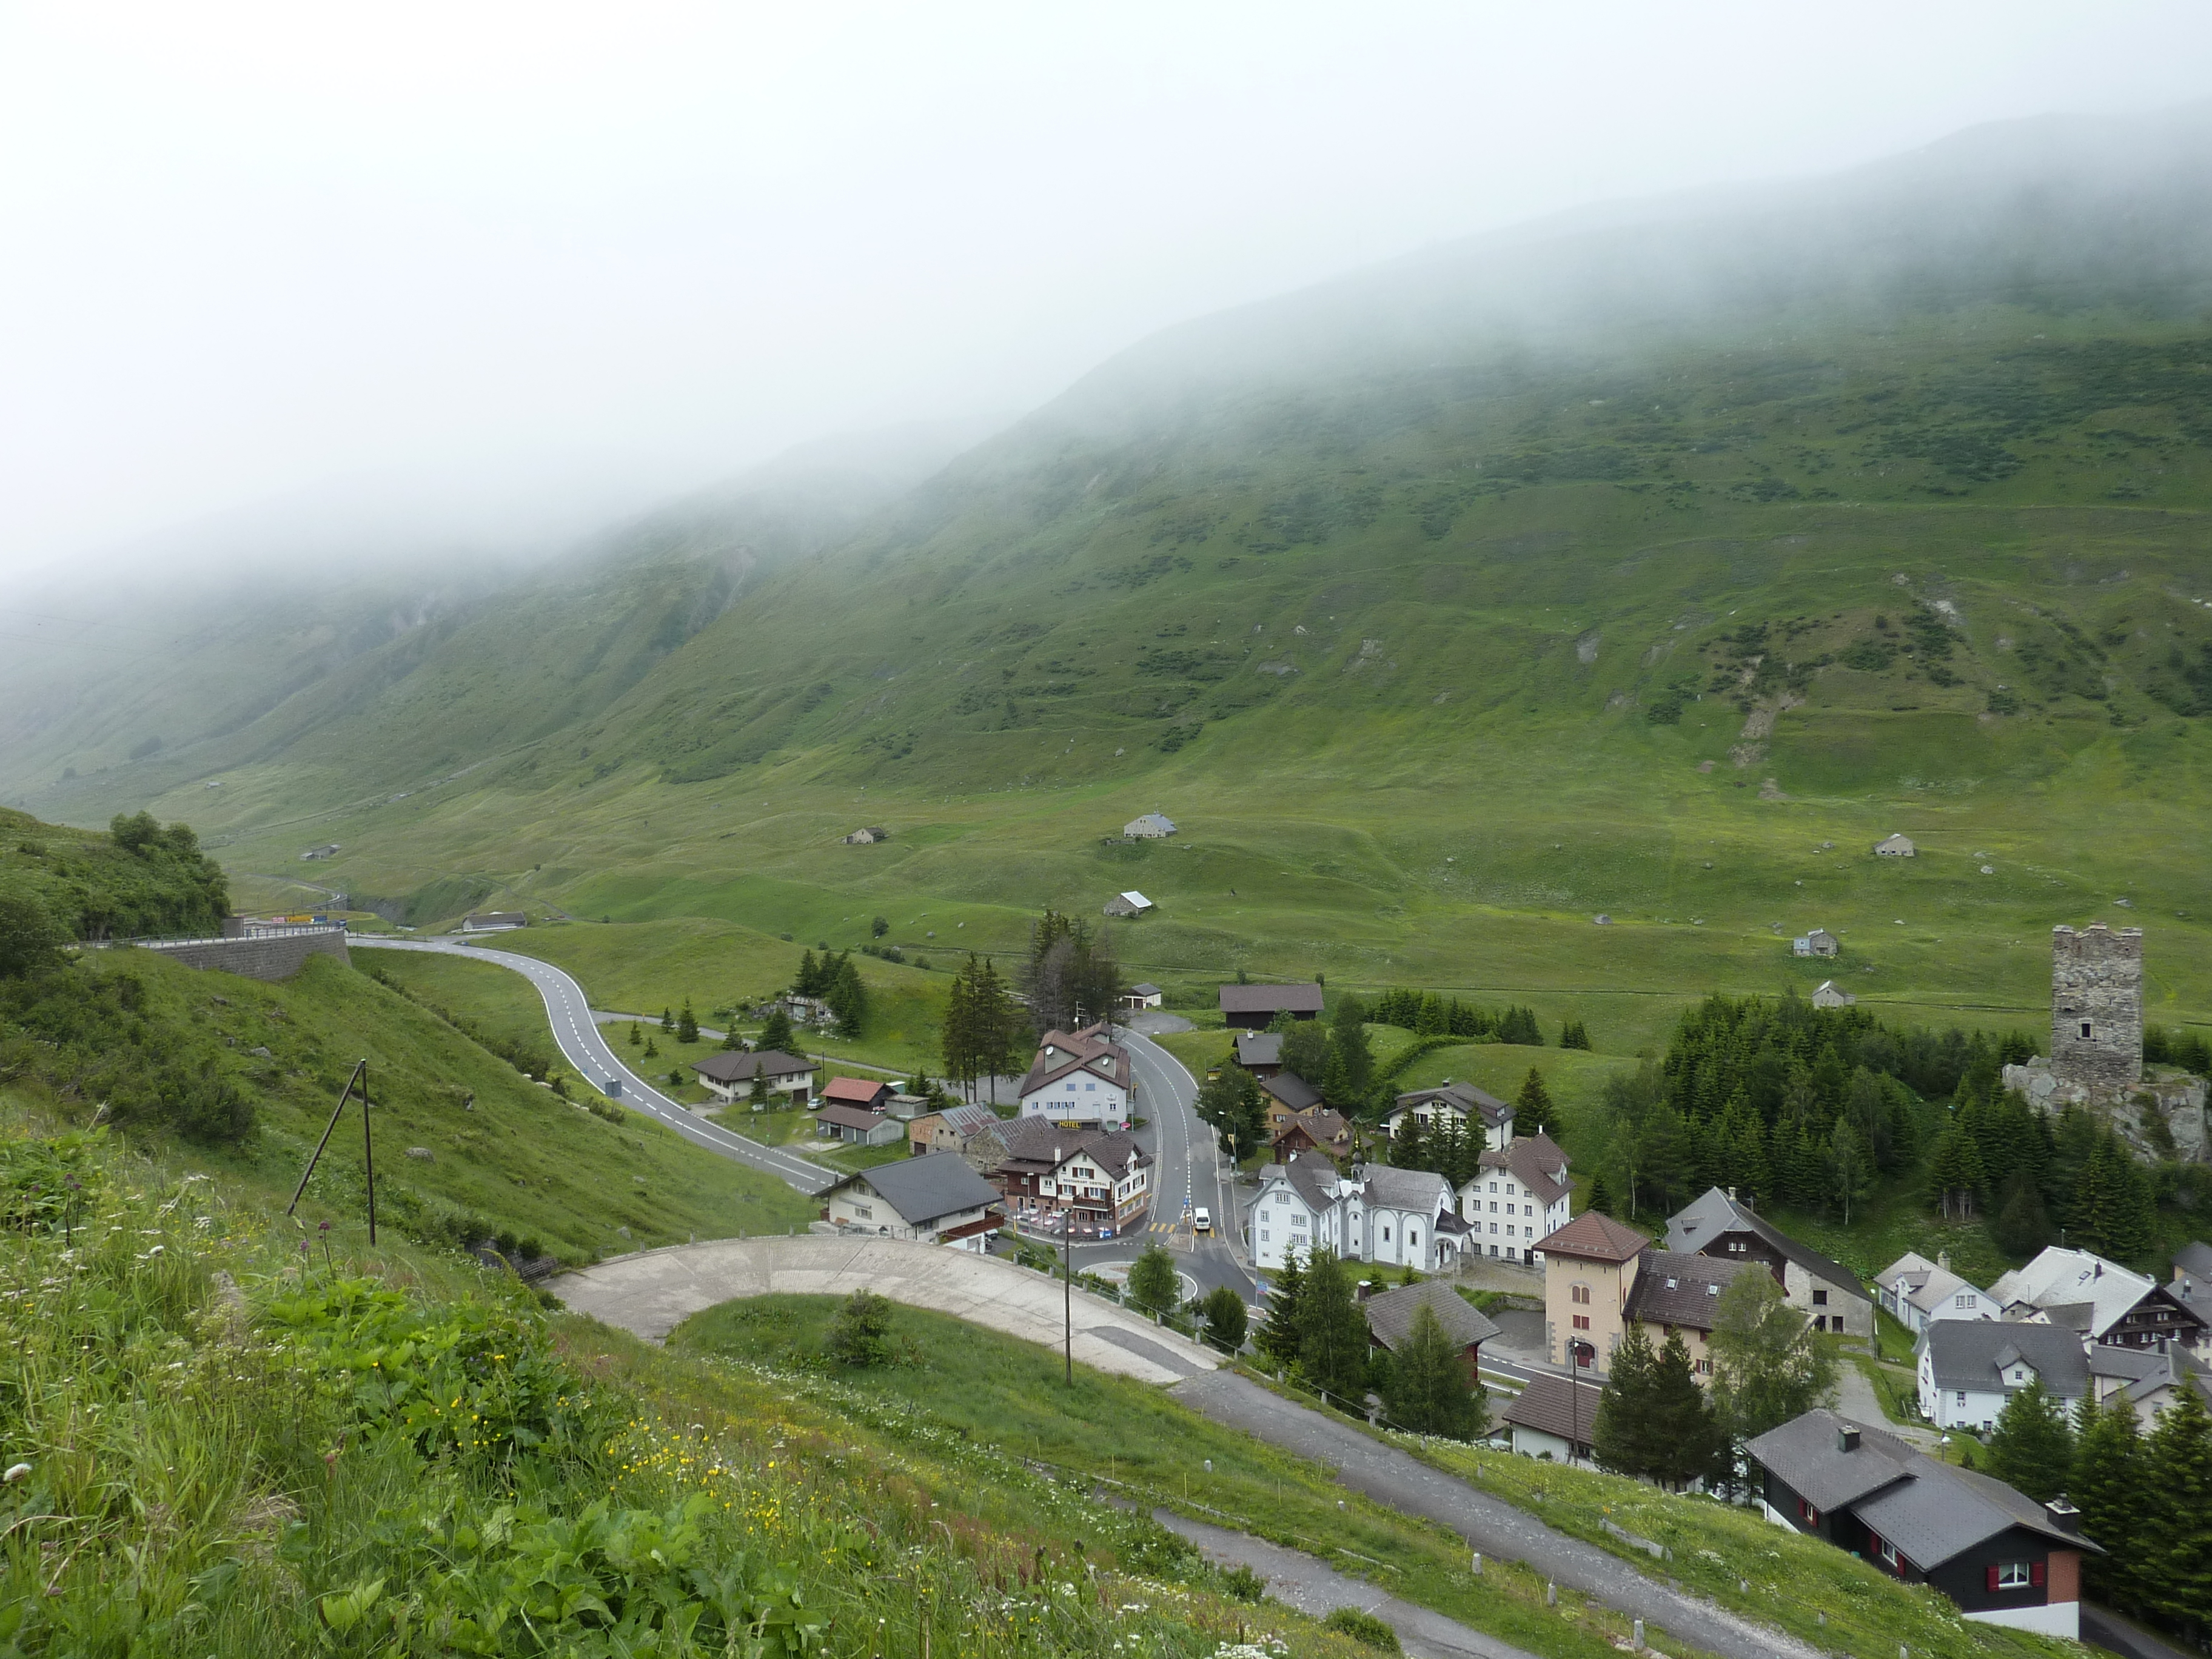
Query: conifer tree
pixel 668 1021
pixel 1688 1442
pixel 1574 1035
pixel 1955 1173
pixel 1409 1146
pixel 1624 1437
pixel 2107 1485
pixel 957 1044
pixel 1279 1337
pixel 652 1052
pixel 2022 1226
pixel 1351 1062
pixel 1305 1050
pixel 1597 1195
pixel 635 1039
pixel 775 1032
pixel 1225 1318
pixel 757 1097
pixel 2178 1546
pixel 1427 1389
pixel 687 1023
pixel 1850 1164
pixel 1332 1334
pixel 2032 1448
pixel 1532 1107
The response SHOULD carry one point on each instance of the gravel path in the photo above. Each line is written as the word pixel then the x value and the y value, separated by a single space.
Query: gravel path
pixel 1300 1581
pixel 1489 1524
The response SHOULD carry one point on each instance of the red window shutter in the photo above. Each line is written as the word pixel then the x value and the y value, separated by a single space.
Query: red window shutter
pixel 1993 1577
pixel 2035 1574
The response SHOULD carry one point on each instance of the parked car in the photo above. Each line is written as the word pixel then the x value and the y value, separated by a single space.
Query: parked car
pixel 1202 1219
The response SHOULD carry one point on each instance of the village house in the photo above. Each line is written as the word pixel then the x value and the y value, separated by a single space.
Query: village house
pixel 1080 1078
pixel 1098 1182
pixel 1131 904
pixel 1895 847
pixel 728 1074
pixel 2099 1301
pixel 2146 1378
pixel 1462 1102
pixel 1254 1007
pixel 2001 1558
pixel 867 837
pixel 1918 1293
pixel 1716 1225
pixel 329 849
pixel 857 1127
pixel 1283 1097
pixel 1968 1368
pixel 494 922
pixel 1259 1053
pixel 1589 1267
pixel 1517 1196
pixel 1318 1129
pixel 1553 1418
pixel 866 1093
pixel 937 1200
pixel 1403 1217
pixel 1152 826
pixel 1829 995
pixel 1390 1316
pixel 949 1130
pixel 1674 1291
pixel 1138 998
pixel 1818 943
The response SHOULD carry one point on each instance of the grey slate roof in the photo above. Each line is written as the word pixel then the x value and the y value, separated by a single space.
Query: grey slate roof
pixel 1929 1511
pixel 966 1120
pixel 1462 1097
pixel 1421 1190
pixel 1697 1224
pixel 1391 1314
pixel 1293 1090
pixel 1313 1179
pixel 927 1188
pixel 1675 1287
pixel 2195 1260
pixel 1537 1162
pixel 1270 999
pixel 1971 1353
pixel 1259 1047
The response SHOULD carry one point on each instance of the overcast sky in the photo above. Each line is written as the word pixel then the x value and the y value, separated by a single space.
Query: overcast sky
pixel 606 251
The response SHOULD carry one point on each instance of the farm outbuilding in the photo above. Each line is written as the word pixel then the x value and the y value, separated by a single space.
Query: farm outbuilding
pixel 1896 847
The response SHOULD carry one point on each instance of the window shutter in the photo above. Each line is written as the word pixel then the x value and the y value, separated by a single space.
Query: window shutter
pixel 2035 1574
pixel 1993 1577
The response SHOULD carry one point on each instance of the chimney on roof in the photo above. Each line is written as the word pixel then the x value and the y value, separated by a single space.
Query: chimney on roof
pixel 2099 1274
pixel 1847 1438
pixel 1731 1194
pixel 1366 1287
pixel 2063 1515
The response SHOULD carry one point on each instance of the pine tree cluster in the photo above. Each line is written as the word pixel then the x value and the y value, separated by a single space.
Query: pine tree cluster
pixel 835 980
pixel 1425 1013
pixel 985 1030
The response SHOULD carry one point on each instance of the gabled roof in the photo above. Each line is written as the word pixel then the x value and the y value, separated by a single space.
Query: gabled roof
pixel 1313 1179
pixel 1043 1145
pixel 1537 1162
pixel 855 1090
pixel 1972 1353
pixel 1939 1287
pixel 1594 1236
pixel 1270 999
pixel 963 1121
pixel 1422 1191
pixel 1463 1098
pixel 1677 1288
pixel 2060 1278
pixel 730 1066
pixel 924 1189
pixel 1716 1214
pixel 1391 1314
pixel 1913 1267
pixel 1145 990
pixel 1555 1405
pixel 2195 1259
pixel 1060 1054
pixel 845 1116
pixel 1293 1090
pixel 1259 1048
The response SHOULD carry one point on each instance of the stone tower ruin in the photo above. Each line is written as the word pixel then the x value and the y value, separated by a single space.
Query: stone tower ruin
pixel 2096 1007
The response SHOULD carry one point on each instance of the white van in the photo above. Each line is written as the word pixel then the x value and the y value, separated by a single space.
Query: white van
pixel 1202 1220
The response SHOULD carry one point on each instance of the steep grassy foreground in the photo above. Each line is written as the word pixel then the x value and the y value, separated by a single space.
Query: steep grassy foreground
pixel 219 1445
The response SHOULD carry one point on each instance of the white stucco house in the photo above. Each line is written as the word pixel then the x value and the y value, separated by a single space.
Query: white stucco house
pixel 1398 1218
pixel 1916 1293
pixel 1080 1078
pixel 1968 1368
pixel 1519 1196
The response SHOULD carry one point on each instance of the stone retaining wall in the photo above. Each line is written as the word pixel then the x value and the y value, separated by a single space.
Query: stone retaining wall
pixel 278 956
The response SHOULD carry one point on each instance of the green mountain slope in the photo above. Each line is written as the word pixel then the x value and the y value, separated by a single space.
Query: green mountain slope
pixel 1653 564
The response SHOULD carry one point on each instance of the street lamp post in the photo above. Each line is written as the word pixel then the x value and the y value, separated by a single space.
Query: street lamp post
pixel 1581 1354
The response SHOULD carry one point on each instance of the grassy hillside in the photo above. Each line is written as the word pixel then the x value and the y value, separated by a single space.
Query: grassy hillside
pixel 379 1453
pixel 1443 627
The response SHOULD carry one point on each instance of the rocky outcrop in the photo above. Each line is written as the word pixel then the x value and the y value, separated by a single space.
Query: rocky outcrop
pixel 2160 1116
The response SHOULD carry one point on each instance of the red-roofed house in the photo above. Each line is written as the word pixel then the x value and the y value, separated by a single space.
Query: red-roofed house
pixel 866 1093
pixel 1589 1267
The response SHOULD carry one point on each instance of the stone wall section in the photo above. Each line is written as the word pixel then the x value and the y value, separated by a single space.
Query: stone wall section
pixel 275 957
pixel 2096 1006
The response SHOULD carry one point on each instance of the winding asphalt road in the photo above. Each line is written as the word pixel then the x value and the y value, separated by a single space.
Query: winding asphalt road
pixel 1188 1164
pixel 595 1060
